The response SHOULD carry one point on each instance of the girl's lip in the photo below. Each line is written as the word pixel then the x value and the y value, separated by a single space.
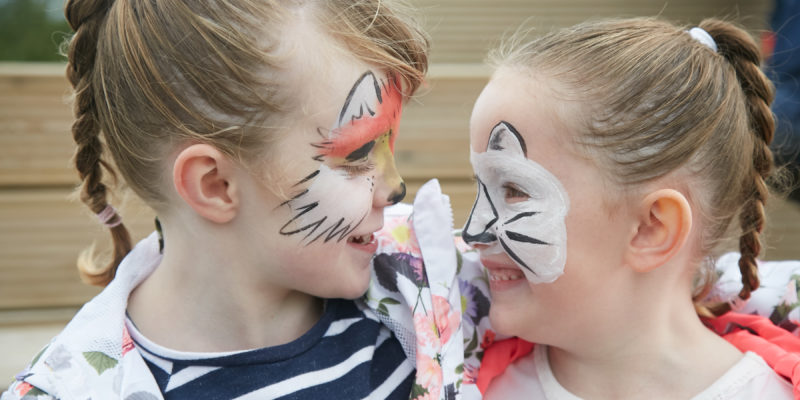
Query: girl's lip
pixel 371 246
pixel 494 265
pixel 503 276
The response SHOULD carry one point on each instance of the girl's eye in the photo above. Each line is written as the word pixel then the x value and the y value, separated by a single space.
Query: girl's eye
pixel 362 152
pixel 358 168
pixel 512 194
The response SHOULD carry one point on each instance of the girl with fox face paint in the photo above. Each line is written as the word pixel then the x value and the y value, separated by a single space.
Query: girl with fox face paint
pixel 262 134
pixel 354 153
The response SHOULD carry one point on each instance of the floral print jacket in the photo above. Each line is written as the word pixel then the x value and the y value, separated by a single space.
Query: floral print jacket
pixel 92 358
pixel 430 289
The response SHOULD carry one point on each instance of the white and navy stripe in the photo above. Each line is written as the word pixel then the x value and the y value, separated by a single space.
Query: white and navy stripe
pixel 347 355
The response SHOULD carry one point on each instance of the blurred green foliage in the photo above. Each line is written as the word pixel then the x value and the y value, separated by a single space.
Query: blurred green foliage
pixel 31 30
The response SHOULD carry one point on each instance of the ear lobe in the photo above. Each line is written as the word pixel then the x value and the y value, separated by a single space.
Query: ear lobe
pixel 204 178
pixel 663 226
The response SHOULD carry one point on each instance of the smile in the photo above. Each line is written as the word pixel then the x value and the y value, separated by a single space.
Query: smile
pixel 505 275
pixel 363 239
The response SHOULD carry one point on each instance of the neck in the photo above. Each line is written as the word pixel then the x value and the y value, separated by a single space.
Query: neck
pixel 654 334
pixel 215 300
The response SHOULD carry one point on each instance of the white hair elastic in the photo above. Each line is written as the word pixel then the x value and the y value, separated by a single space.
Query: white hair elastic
pixel 703 37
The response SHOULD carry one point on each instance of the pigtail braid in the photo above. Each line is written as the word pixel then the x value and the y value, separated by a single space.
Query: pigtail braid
pixel 86 17
pixel 742 53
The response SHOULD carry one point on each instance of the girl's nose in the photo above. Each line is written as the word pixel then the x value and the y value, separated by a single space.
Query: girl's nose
pixel 479 226
pixel 398 195
pixel 389 186
pixel 476 233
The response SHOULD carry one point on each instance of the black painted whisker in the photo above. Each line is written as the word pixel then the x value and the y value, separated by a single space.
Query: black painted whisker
pixel 521 215
pixel 295 197
pixel 515 257
pixel 307 178
pixel 518 237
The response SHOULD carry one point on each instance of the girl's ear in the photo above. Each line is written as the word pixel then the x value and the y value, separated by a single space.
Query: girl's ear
pixel 205 179
pixel 663 224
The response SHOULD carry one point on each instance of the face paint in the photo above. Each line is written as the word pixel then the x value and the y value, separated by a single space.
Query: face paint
pixel 332 201
pixel 372 110
pixel 531 231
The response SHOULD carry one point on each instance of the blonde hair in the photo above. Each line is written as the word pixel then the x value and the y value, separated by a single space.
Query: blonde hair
pixel 151 74
pixel 657 101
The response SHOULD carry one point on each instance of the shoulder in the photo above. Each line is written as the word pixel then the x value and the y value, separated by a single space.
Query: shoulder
pixel 763 379
pixel 24 390
pixel 525 375
pixel 750 378
pixel 84 359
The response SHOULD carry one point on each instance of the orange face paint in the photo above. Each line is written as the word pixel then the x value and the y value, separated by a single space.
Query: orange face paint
pixel 364 120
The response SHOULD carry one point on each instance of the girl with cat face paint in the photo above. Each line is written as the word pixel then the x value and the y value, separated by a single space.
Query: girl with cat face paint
pixel 262 133
pixel 610 159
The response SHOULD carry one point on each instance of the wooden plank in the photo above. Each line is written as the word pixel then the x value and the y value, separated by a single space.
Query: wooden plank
pixel 434 131
pixel 36 146
pixel 462 31
pixel 40 238
pixel 782 230
pixel 35 140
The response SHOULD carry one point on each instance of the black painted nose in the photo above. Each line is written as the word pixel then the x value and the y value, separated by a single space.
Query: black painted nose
pixel 398 195
pixel 484 237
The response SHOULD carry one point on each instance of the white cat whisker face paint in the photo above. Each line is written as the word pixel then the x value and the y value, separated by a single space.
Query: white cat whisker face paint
pixel 531 230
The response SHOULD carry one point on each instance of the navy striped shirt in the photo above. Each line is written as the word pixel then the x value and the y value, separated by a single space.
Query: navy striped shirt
pixel 348 354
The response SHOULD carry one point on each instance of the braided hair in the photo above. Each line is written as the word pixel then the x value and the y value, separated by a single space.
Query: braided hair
pixel 741 52
pixel 85 18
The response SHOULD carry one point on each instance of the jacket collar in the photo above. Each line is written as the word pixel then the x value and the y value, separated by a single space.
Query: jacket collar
pixel 91 357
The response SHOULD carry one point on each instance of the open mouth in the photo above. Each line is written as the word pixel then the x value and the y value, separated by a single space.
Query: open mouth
pixel 505 275
pixel 363 239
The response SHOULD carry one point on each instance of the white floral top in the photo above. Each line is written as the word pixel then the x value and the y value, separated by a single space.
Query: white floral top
pixel 429 288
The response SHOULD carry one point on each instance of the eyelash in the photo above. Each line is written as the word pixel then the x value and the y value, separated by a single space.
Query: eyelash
pixel 357 169
pixel 512 192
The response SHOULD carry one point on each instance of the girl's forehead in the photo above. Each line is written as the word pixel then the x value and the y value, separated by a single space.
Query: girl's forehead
pixel 539 117
pixel 323 90
pixel 319 70
pixel 525 102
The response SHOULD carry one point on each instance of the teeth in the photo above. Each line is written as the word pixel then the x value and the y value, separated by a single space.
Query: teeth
pixel 361 239
pixel 504 276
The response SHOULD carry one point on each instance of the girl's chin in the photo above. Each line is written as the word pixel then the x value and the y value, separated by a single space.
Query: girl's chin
pixel 506 319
